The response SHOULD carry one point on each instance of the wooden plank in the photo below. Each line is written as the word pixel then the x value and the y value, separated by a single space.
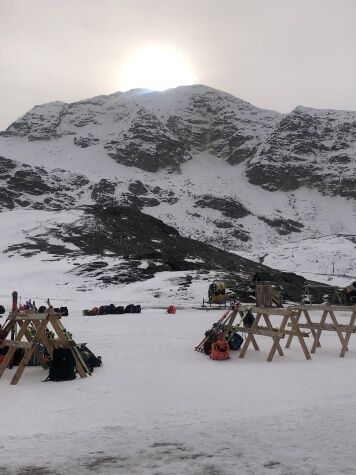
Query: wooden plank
pixel 250 338
pixel 328 327
pixel 18 344
pixel 275 338
pixel 318 333
pixel 337 329
pixel 308 319
pixel 341 308
pixel 348 335
pixel 25 316
pixel 295 327
pixel 263 331
pixel 24 362
pixel 290 338
pixel 274 311
pixel 275 343
pixel 11 351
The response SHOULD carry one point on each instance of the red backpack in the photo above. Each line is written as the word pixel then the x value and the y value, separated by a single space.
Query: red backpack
pixel 171 309
pixel 220 349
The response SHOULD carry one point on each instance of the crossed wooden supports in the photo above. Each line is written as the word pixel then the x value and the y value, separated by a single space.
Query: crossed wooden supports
pixel 291 326
pixel 228 322
pixel 32 326
pixel 317 328
pixel 288 317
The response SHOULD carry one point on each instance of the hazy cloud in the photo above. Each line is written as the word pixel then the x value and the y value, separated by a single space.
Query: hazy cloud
pixel 274 53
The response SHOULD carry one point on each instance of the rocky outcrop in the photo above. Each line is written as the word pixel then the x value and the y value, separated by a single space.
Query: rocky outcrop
pixel 309 147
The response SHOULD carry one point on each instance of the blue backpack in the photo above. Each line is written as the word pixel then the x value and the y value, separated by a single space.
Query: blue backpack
pixel 235 341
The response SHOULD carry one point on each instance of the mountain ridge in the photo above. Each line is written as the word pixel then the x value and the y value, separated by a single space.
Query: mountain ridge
pixel 215 168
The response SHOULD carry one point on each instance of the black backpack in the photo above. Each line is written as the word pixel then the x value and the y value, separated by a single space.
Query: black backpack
pixel 133 308
pixel 210 339
pixel 120 310
pixel 2 310
pixel 248 319
pixel 63 311
pixel 130 308
pixel 89 358
pixel 62 367
pixel 110 309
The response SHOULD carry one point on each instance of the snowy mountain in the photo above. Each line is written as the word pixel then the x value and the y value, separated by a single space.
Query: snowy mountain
pixel 209 165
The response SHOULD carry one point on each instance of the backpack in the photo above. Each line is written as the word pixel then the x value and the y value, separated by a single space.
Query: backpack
pixel 63 311
pixel 133 308
pixel 120 310
pixel 220 349
pixel 171 309
pixel 111 309
pixel 89 358
pixel 2 310
pixel 102 310
pixel 248 319
pixel 235 341
pixel 62 366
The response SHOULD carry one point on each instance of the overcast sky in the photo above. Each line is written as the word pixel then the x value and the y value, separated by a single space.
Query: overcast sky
pixel 276 54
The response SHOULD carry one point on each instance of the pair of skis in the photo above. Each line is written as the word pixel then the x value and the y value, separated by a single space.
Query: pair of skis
pixel 216 329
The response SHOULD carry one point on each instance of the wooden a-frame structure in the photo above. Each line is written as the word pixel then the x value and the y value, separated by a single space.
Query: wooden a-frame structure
pixel 32 334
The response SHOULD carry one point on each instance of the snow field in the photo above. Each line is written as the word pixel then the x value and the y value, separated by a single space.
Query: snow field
pixel 158 407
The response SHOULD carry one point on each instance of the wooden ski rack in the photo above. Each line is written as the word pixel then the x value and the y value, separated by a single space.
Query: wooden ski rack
pixel 286 316
pixel 32 334
pixel 344 331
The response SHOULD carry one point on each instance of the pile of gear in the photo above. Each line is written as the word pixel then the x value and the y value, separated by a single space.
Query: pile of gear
pixel 112 310
pixel 62 365
pixel 219 342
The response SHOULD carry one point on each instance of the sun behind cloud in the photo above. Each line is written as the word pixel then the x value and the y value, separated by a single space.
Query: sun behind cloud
pixel 156 67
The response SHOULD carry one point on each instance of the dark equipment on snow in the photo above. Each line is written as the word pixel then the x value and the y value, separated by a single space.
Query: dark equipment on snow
pixel 2 310
pixel 88 356
pixel 248 319
pixel 351 294
pixel 235 341
pixel 62 366
pixel 220 349
pixel 133 308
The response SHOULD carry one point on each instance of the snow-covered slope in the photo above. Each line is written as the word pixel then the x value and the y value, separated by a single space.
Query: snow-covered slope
pixel 210 165
pixel 329 259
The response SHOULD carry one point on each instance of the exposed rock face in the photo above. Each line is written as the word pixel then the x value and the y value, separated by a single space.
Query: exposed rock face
pixel 229 207
pixel 182 156
pixel 309 147
pixel 24 186
pixel 40 123
pixel 148 144
pixel 154 131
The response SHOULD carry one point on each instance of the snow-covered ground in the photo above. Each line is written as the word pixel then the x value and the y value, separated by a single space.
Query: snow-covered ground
pixel 328 259
pixel 158 407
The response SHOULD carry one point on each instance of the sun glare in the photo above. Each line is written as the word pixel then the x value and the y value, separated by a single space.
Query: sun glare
pixel 156 67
